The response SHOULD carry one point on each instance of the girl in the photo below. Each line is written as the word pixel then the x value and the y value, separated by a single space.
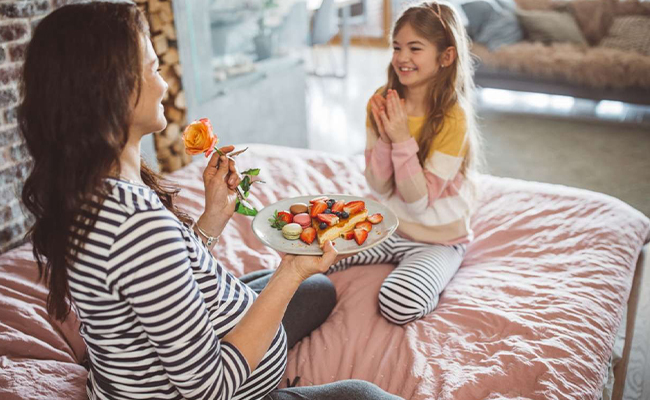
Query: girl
pixel 421 149
pixel 161 318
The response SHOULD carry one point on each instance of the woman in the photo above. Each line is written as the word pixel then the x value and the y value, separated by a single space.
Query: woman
pixel 161 318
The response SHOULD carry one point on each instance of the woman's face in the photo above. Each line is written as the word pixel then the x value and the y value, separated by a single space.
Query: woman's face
pixel 149 113
pixel 415 59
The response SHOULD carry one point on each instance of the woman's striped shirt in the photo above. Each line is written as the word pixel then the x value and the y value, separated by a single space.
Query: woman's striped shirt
pixel 154 305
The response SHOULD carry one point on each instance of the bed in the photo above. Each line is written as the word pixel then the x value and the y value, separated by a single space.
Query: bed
pixel 533 312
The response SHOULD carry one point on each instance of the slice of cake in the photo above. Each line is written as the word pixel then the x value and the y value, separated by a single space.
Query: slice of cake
pixel 332 218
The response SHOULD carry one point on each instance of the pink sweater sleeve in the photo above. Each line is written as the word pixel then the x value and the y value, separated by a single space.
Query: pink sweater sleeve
pixel 379 167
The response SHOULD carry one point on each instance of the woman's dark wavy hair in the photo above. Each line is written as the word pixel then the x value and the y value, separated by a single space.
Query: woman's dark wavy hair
pixel 82 69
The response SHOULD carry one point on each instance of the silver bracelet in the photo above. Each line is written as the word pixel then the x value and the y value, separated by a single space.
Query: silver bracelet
pixel 211 239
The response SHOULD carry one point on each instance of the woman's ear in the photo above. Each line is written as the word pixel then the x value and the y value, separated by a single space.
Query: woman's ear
pixel 448 56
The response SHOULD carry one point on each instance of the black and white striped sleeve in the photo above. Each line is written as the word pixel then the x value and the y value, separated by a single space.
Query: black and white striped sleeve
pixel 150 269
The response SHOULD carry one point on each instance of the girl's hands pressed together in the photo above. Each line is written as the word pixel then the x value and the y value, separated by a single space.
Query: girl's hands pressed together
pixel 391 117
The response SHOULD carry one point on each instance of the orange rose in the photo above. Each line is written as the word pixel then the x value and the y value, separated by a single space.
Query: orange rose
pixel 199 138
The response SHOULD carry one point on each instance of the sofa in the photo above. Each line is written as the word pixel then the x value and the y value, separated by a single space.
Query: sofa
pixel 593 49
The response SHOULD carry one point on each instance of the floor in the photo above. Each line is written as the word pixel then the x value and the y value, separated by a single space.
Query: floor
pixel 597 146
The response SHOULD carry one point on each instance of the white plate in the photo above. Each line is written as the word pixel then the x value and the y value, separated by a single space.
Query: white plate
pixel 274 239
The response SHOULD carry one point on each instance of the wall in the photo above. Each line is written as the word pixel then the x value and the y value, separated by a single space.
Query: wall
pixel 18 18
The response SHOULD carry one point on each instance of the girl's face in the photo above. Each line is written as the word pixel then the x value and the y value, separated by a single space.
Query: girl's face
pixel 149 114
pixel 415 59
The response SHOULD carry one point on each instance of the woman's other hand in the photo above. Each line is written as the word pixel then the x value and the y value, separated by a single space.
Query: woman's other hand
pixel 305 266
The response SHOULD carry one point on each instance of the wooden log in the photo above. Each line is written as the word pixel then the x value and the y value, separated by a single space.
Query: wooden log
pixel 178 69
pixel 167 71
pixel 173 114
pixel 166 13
pixel 162 142
pixel 178 147
pixel 170 31
pixel 179 101
pixel 171 57
pixel 160 44
pixel 163 152
pixel 174 163
pixel 154 5
pixel 173 131
pixel 186 158
pixel 174 85
pixel 155 22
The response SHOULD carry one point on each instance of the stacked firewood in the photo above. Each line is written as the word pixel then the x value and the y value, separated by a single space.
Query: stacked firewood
pixel 169 144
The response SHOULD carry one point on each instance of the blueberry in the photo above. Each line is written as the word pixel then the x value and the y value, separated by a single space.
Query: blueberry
pixel 328 211
pixel 345 215
pixel 322 225
pixel 338 214
pixel 330 203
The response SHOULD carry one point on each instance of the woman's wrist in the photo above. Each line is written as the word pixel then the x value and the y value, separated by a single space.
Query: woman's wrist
pixel 211 225
pixel 207 237
pixel 287 271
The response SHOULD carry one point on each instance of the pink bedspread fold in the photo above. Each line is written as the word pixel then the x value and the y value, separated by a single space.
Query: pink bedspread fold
pixel 532 312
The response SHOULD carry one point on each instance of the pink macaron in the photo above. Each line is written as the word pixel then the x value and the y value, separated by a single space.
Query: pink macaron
pixel 303 220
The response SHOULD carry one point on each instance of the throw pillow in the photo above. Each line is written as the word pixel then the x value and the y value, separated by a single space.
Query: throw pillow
pixel 593 16
pixel 535 4
pixel 478 13
pixel 629 33
pixel 551 26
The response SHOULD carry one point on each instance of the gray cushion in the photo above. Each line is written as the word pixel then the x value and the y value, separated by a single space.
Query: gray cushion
pixel 478 13
pixel 492 25
pixel 551 26
pixel 509 5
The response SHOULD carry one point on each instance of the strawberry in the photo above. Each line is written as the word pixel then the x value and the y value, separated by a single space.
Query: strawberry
pixel 338 206
pixel 317 208
pixel 329 219
pixel 317 199
pixel 277 221
pixel 364 225
pixel 375 218
pixel 360 236
pixel 285 216
pixel 349 235
pixel 308 235
pixel 354 207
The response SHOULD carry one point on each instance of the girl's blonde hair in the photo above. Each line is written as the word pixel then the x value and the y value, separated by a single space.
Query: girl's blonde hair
pixel 440 24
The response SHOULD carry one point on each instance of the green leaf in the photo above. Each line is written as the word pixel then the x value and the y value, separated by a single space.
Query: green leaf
pixel 246 183
pixel 252 172
pixel 241 209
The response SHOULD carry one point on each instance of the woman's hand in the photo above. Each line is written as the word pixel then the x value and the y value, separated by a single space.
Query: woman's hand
pixel 305 266
pixel 394 119
pixel 220 179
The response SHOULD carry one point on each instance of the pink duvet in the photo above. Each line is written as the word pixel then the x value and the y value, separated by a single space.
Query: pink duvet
pixel 532 312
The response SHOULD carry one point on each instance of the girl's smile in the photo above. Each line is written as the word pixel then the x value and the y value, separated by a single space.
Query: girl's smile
pixel 415 59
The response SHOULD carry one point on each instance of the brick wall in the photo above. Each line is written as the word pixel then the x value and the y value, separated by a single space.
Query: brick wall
pixel 18 18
